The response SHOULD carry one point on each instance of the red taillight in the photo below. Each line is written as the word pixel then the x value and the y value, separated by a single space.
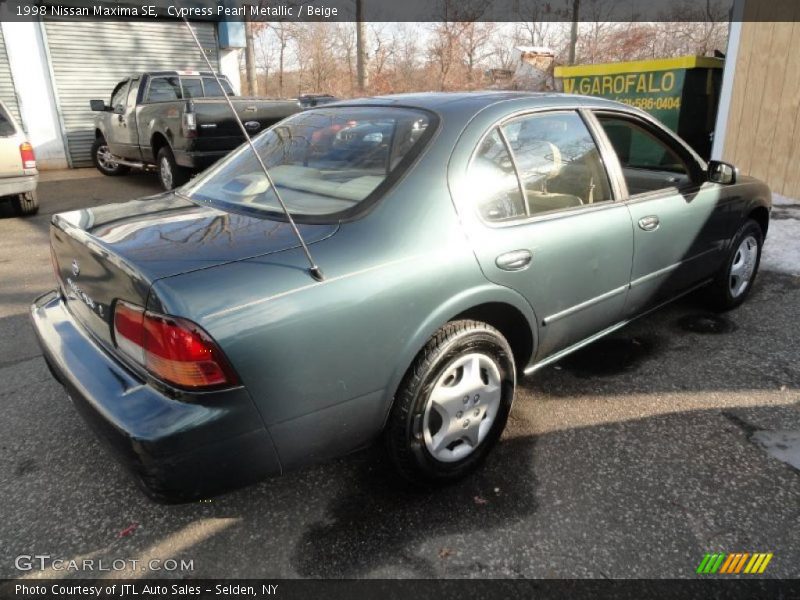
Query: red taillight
pixel 174 350
pixel 189 124
pixel 27 155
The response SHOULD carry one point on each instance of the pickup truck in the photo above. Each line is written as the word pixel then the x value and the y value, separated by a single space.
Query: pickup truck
pixel 177 122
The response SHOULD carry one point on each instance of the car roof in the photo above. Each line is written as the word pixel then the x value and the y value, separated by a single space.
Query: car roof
pixel 442 101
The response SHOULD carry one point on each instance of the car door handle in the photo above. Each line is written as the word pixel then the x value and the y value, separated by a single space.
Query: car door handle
pixel 650 223
pixel 515 260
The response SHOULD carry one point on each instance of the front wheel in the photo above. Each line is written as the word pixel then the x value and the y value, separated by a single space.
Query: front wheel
pixel 104 161
pixel 453 403
pixel 169 173
pixel 737 274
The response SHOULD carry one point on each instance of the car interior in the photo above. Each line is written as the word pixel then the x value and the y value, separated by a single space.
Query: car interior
pixel 558 165
pixel 648 164
pixel 324 167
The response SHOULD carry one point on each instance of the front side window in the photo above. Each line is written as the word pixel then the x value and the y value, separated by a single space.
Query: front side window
pixel 118 97
pixel 164 89
pixel 323 162
pixel 133 92
pixel 555 159
pixel 648 163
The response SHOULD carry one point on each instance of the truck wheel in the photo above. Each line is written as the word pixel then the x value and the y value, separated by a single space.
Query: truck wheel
pixel 26 204
pixel 169 173
pixel 737 274
pixel 102 159
pixel 453 403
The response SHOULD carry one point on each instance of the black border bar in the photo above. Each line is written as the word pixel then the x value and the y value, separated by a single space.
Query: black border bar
pixel 406 10
pixel 390 589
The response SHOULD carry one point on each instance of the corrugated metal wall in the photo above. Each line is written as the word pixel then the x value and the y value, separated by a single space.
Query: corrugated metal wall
pixel 90 57
pixel 763 130
pixel 7 93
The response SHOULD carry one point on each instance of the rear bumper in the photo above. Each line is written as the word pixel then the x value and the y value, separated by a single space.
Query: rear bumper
pixel 11 186
pixel 177 450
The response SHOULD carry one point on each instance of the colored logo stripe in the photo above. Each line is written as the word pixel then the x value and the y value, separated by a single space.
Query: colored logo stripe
pixel 733 563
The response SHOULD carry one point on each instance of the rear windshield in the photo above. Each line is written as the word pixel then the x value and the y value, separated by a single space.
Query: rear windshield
pixel 212 87
pixel 323 162
pixel 163 89
pixel 6 124
pixel 192 88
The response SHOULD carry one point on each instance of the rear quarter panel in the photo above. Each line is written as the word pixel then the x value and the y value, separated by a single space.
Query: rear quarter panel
pixel 163 118
pixel 328 357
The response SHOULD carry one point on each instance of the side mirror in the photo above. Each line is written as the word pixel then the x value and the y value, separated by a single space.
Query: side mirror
pixel 722 172
pixel 97 105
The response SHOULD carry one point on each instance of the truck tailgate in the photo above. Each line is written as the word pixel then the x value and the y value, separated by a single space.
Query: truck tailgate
pixel 218 130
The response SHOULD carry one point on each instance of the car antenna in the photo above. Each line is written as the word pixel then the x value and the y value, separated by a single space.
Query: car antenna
pixel 315 271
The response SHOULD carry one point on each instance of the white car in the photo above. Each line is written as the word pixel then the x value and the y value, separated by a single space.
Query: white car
pixel 18 174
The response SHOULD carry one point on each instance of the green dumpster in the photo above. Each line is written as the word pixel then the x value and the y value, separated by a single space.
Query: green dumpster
pixel 682 92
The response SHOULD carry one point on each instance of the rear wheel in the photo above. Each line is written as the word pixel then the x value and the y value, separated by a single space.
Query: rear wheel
pixel 104 161
pixel 453 403
pixel 737 274
pixel 26 204
pixel 169 173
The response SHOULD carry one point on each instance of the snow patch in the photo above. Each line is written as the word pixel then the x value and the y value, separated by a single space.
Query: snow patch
pixel 782 249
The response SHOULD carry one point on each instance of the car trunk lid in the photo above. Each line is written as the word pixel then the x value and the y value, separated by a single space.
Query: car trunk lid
pixel 116 252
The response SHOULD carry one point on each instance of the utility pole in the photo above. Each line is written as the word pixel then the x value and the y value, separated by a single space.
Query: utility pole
pixel 573 34
pixel 361 38
pixel 250 60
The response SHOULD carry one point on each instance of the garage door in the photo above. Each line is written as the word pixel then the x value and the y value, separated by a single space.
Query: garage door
pixel 7 93
pixel 89 58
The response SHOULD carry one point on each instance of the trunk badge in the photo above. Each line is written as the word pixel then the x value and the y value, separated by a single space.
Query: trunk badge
pixel 76 268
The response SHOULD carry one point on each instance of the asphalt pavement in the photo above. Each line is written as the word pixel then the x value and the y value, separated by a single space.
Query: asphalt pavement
pixel 632 458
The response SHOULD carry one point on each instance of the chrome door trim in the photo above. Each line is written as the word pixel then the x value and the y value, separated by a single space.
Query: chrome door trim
pixel 664 270
pixel 533 367
pixel 585 304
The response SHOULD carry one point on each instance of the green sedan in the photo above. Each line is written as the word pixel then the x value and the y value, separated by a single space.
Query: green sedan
pixel 457 242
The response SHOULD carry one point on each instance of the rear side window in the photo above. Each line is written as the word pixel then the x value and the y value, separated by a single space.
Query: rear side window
pixel 164 89
pixel 553 160
pixel 494 182
pixel 192 88
pixel 6 124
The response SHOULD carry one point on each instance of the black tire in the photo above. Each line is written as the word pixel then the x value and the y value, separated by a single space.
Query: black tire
pixel 724 293
pixel 25 205
pixel 169 173
pixel 103 165
pixel 404 436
